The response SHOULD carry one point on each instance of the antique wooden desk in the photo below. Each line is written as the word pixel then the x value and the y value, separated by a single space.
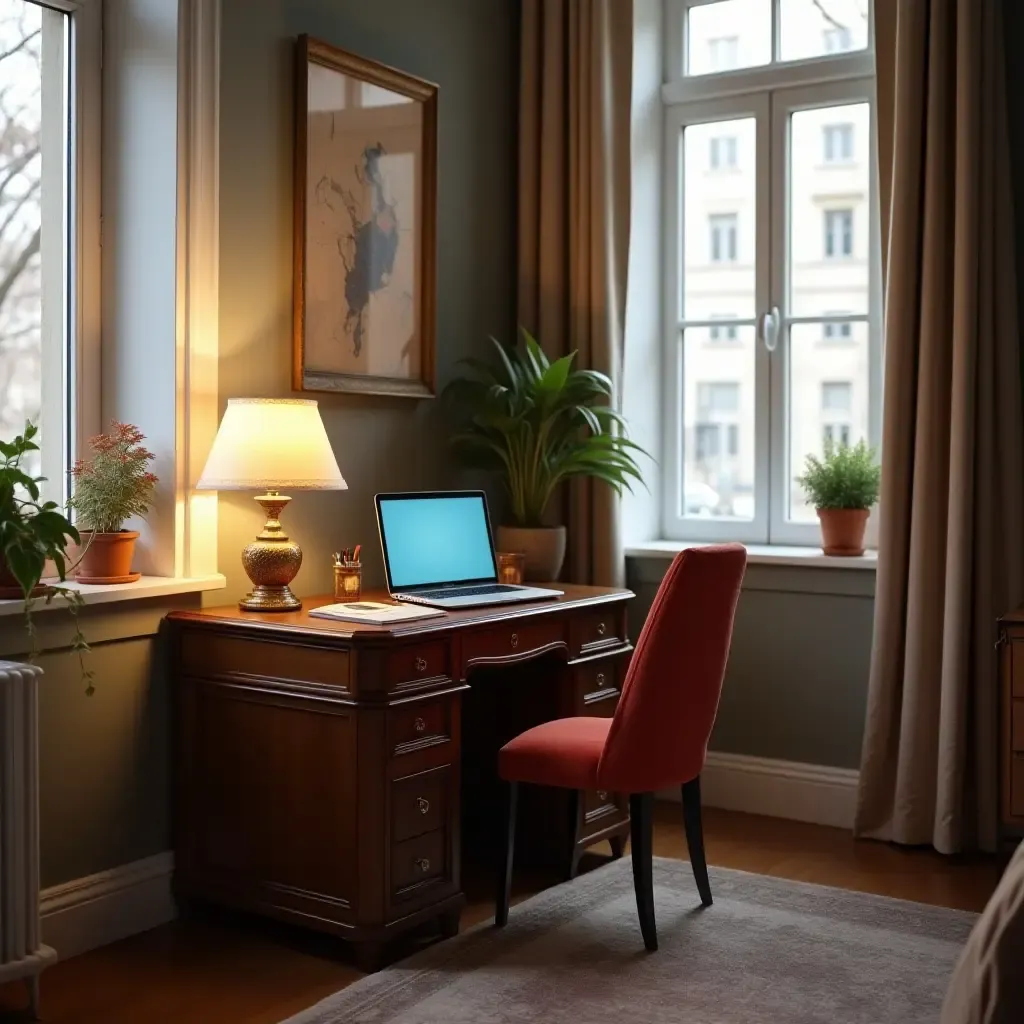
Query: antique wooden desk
pixel 322 767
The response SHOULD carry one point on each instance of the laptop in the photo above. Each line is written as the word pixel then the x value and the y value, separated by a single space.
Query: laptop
pixel 438 551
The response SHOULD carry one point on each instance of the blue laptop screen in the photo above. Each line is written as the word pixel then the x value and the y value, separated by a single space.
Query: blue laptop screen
pixel 436 540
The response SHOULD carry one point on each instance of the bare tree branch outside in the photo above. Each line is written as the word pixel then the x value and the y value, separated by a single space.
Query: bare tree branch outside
pixel 20 214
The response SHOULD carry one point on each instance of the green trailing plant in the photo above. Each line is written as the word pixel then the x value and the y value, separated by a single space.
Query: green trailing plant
pixel 116 483
pixel 31 533
pixel 538 423
pixel 847 477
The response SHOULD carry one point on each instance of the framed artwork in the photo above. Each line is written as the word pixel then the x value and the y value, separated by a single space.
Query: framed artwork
pixel 365 225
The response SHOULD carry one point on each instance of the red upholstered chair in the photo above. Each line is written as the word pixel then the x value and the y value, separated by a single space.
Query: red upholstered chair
pixel 659 735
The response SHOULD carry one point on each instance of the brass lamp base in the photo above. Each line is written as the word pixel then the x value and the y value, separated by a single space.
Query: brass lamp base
pixel 271 562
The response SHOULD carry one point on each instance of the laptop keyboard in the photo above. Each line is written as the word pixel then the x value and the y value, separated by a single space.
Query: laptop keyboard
pixel 489 588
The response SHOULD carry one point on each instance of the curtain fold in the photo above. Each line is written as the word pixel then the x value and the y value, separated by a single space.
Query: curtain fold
pixel 951 550
pixel 574 182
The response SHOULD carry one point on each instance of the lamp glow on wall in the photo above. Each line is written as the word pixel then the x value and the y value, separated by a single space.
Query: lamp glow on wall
pixel 271 444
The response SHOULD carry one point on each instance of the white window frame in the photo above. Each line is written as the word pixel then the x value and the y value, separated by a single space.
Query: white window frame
pixel 72 400
pixel 770 94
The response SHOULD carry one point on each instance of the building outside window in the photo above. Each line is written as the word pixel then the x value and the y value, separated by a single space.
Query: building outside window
pixel 723 153
pixel 802 281
pixel 723 53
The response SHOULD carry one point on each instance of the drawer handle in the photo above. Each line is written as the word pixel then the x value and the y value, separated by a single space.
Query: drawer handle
pixel 423 804
pixel 421 664
pixel 423 864
pixel 515 640
pixel 600 679
pixel 600 629
pixel 419 725
pixel 602 795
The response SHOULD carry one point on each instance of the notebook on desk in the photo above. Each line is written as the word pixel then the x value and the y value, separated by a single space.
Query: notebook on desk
pixel 438 551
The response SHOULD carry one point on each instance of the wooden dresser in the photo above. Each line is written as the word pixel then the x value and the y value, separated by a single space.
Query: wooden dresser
pixel 1011 706
pixel 323 767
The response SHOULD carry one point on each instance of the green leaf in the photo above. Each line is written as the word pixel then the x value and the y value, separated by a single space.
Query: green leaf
pixel 26 564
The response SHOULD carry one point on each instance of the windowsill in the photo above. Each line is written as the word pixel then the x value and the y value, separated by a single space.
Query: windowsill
pixel 761 554
pixel 148 586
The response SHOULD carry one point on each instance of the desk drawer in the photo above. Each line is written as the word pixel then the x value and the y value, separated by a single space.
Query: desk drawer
pixel 205 656
pixel 419 723
pixel 592 631
pixel 417 862
pixel 1017 666
pixel 1017 727
pixel 597 688
pixel 417 661
pixel 510 643
pixel 419 803
pixel 1017 785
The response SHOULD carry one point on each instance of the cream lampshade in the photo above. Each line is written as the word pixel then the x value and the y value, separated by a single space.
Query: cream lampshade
pixel 271 444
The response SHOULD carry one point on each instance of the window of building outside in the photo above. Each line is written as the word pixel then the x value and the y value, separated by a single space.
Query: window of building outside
pixel 722 228
pixel 38 232
pixel 800 285
pixel 723 153
pixel 838 139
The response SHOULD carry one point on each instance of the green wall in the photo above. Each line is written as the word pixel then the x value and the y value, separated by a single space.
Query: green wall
pixel 796 685
pixel 105 760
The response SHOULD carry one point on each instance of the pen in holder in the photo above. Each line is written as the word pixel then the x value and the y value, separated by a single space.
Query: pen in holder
pixel 348 575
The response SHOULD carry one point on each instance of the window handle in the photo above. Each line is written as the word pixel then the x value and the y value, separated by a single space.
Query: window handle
pixel 769 328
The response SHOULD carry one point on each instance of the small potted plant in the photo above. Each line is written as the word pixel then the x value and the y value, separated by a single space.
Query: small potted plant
pixel 110 488
pixel 843 487
pixel 32 535
pixel 539 423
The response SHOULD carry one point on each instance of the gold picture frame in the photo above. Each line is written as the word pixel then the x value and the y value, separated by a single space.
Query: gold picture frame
pixel 365 226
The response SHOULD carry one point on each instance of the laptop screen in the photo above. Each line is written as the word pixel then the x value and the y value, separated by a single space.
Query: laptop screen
pixel 435 539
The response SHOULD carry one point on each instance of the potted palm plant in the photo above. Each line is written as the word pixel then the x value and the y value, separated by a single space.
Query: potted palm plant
pixel 538 423
pixel 110 488
pixel 34 534
pixel 843 487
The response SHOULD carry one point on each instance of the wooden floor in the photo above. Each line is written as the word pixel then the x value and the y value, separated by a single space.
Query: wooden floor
pixel 220 969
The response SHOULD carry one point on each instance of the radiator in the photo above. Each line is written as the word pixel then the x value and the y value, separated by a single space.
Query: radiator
pixel 22 953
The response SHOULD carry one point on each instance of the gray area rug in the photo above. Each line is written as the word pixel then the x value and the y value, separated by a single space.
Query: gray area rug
pixel 769 951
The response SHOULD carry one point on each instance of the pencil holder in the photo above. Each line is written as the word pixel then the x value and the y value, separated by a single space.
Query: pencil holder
pixel 348 581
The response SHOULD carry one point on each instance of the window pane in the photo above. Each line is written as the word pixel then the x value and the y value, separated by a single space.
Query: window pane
pixel 827 397
pixel 718 425
pixel 719 216
pixel 829 210
pixel 812 28
pixel 727 35
pixel 33 159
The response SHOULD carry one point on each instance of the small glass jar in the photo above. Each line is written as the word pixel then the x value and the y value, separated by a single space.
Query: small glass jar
pixel 511 567
pixel 348 581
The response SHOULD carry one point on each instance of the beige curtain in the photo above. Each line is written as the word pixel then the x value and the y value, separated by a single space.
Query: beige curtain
pixel 574 159
pixel 952 507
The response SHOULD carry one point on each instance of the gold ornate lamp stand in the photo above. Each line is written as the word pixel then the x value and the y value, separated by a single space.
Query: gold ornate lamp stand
pixel 271 562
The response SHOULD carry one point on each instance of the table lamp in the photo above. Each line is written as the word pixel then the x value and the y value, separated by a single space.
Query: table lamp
pixel 271 444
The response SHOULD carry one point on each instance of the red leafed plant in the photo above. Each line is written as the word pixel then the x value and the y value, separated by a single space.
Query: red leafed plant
pixel 115 484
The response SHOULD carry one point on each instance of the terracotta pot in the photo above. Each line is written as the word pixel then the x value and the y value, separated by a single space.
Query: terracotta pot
pixel 543 546
pixel 108 557
pixel 10 588
pixel 842 530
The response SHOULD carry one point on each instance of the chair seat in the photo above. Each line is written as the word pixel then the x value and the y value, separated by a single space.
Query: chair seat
pixel 564 753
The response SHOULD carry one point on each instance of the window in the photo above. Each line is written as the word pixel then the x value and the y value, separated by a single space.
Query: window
pixel 801 351
pixel 723 153
pixel 723 331
pixel 39 234
pixel 723 237
pixel 837 331
pixel 838 143
pixel 838 234
pixel 723 53
pixel 837 39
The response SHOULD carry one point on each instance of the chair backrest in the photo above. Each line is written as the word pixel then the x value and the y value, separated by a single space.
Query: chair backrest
pixel 669 701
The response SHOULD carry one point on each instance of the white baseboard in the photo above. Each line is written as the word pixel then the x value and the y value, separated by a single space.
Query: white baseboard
pixel 89 912
pixel 779 789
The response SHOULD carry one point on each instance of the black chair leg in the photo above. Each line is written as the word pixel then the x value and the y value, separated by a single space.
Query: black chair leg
pixel 575 808
pixel 641 828
pixel 505 854
pixel 695 838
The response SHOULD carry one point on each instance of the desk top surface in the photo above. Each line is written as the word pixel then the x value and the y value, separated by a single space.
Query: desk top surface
pixel 575 598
